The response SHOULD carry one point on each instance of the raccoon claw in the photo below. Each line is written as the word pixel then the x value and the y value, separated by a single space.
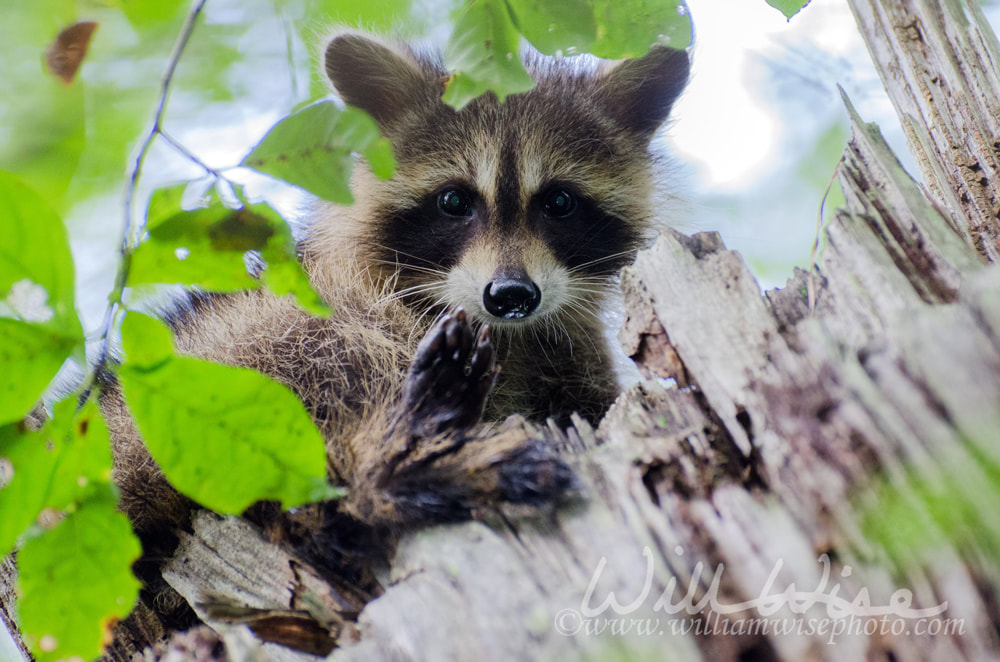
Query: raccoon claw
pixel 446 388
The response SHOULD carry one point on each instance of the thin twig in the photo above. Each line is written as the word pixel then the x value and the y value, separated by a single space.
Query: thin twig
pixel 190 156
pixel 135 172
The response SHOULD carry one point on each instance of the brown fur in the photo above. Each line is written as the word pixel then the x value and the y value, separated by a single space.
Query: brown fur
pixel 406 455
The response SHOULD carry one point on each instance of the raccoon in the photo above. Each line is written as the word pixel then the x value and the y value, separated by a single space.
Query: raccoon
pixel 468 287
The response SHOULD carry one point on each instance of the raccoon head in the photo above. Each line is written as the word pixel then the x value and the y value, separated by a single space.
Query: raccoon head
pixel 520 212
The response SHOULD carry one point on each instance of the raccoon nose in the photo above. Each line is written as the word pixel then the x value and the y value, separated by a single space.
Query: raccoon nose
pixel 511 298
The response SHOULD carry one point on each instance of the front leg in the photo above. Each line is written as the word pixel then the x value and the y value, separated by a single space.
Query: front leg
pixel 438 462
pixel 446 388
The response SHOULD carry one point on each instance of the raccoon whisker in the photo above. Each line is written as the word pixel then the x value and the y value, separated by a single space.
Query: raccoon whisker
pixel 588 238
pixel 581 313
pixel 416 289
pixel 425 303
pixel 583 277
pixel 599 260
pixel 601 281
pixel 595 293
pixel 552 326
pixel 584 294
pixel 569 337
pixel 424 270
pixel 583 303
pixel 410 292
pixel 579 305
pixel 584 333
pixel 550 330
pixel 437 303
pixel 405 254
pixel 589 294
pixel 414 267
pixel 541 346
pixel 592 286
pixel 565 331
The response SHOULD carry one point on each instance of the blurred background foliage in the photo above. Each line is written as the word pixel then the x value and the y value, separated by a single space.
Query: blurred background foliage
pixel 249 63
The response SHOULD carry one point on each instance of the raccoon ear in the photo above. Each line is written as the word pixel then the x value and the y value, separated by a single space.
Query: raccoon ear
pixel 641 92
pixel 377 78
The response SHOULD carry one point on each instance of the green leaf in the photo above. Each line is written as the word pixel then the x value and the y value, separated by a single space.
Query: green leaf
pixel 224 436
pixel 75 581
pixel 201 247
pixel 312 150
pixel 31 355
pixel 567 26
pixel 150 349
pixel 83 448
pixel 55 467
pixel 36 290
pixel 206 247
pixel 35 254
pixel 164 204
pixel 484 52
pixel 627 28
pixel 25 467
pixel 380 158
pixel 283 273
pixel 788 7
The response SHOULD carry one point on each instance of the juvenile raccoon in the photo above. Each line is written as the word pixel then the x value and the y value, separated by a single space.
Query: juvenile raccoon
pixel 505 222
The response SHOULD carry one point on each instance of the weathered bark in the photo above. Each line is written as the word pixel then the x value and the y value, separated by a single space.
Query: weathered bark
pixel 232 575
pixel 759 440
pixel 940 63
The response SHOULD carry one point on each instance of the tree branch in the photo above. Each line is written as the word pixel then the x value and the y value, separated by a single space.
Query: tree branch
pixel 135 172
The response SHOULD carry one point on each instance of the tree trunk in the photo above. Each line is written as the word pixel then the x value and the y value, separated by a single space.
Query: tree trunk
pixel 939 62
pixel 760 452
pixel 749 466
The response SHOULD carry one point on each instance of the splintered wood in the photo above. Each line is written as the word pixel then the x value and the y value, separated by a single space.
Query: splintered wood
pixel 749 477
pixel 940 63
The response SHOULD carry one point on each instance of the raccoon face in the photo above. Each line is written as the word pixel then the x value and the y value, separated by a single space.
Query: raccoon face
pixel 519 212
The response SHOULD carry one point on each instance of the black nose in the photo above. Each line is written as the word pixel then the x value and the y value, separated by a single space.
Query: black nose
pixel 511 298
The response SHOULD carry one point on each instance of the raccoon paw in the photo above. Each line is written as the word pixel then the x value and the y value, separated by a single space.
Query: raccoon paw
pixel 451 481
pixel 450 377
pixel 534 476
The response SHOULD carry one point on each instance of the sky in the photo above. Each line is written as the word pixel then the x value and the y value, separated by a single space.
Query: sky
pixel 762 126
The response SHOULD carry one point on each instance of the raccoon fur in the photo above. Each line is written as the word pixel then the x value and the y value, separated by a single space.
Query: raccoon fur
pixel 468 287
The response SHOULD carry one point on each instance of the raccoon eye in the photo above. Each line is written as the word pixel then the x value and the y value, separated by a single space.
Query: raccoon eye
pixel 559 203
pixel 455 202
